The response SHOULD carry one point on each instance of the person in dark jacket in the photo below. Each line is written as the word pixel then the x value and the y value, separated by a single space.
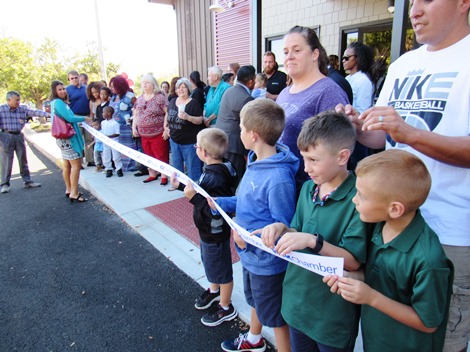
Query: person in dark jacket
pixel 218 180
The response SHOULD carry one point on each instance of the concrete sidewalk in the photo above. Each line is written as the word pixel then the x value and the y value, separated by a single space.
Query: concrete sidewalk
pixel 128 197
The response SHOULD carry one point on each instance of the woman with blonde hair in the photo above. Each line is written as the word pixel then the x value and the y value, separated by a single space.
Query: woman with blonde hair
pixel 150 111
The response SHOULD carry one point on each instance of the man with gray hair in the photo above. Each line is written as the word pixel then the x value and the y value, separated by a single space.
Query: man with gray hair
pixel 12 120
pixel 214 95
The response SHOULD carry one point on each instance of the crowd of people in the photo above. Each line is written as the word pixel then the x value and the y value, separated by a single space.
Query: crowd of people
pixel 294 156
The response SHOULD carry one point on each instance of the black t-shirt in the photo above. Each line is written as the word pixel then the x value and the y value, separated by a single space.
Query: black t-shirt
pixel 183 131
pixel 198 95
pixel 277 82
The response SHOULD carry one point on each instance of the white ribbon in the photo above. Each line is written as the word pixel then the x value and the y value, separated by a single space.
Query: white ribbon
pixel 316 263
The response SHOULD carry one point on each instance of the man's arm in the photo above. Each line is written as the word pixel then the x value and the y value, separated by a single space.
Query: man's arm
pixel 454 151
pixel 34 112
pixel 271 96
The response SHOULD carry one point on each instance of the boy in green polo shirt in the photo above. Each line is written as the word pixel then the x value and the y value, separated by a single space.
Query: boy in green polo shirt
pixel 408 278
pixel 325 223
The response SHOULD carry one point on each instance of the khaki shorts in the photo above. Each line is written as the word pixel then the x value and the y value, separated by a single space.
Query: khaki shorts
pixel 458 327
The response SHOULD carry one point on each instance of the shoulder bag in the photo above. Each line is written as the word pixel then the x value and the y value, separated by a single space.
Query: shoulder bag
pixel 61 129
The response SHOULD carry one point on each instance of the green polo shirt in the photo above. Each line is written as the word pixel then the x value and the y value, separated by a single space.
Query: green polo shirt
pixel 414 270
pixel 307 303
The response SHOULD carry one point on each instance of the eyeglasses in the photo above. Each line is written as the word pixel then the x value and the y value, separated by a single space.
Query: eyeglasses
pixel 346 58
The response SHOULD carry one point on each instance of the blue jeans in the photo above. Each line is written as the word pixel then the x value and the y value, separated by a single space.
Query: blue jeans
pixel 299 342
pixel 186 154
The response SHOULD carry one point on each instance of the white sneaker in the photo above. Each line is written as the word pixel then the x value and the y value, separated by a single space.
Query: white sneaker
pixel 5 189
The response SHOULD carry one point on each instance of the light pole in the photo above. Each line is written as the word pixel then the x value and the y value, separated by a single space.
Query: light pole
pixel 100 44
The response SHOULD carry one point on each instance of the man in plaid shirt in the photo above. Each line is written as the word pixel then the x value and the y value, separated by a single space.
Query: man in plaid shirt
pixel 12 120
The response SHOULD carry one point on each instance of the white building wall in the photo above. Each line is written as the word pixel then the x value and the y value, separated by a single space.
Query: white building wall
pixel 278 16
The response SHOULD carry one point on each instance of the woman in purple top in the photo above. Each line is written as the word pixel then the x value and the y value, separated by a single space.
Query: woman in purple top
pixel 311 91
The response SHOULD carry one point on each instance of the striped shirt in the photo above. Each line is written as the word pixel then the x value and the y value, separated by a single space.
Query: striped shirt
pixel 14 120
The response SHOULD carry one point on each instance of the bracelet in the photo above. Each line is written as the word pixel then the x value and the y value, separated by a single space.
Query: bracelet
pixel 318 245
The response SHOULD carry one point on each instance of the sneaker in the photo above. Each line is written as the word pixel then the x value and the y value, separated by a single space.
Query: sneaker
pixel 119 173
pixel 218 315
pixel 109 173
pixel 140 173
pixel 242 344
pixel 32 185
pixel 206 299
pixel 5 189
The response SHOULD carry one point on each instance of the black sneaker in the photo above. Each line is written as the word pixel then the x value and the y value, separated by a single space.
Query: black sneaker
pixel 242 344
pixel 206 299
pixel 218 315
pixel 119 173
pixel 109 173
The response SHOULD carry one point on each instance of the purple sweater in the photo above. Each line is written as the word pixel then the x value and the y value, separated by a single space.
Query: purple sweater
pixel 323 95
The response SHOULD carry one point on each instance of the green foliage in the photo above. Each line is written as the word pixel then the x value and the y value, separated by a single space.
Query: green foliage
pixel 30 70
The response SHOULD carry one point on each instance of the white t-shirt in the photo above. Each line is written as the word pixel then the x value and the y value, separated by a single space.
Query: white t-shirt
pixel 431 91
pixel 363 90
pixel 110 127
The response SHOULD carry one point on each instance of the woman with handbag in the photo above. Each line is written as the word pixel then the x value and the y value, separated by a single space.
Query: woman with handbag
pixel 69 140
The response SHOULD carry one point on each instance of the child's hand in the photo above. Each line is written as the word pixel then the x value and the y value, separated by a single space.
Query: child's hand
pixel 211 203
pixel 271 233
pixel 332 282
pixel 189 191
pixel 355 291
pixel 87 146
pixel 174 182
pixel 293 241
pixel 238 240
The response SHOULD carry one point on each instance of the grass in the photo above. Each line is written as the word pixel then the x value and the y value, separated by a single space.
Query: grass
pixel 36 126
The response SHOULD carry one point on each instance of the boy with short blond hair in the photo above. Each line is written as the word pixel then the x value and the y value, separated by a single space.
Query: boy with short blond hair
pixel 217 179
pixel 408 278
pixel 266 194
pixel 325 223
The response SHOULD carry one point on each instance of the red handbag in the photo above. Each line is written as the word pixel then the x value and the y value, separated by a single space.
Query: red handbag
pixel 60 128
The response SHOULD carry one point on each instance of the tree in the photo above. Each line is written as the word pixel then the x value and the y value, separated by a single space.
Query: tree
pixel 89 63
pixel 30 70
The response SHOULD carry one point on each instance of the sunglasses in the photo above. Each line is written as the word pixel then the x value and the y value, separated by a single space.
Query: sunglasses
pixel 346 58
pixel 73 78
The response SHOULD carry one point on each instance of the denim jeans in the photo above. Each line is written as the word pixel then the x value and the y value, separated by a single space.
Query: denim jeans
pixel 186 154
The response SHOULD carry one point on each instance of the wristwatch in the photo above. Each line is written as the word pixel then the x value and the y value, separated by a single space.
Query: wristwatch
pixel 318 245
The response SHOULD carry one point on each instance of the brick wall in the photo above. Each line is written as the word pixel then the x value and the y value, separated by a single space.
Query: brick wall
pixel 278 16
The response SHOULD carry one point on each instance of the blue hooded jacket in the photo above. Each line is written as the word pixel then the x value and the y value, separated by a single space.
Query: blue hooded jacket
pixel 266 194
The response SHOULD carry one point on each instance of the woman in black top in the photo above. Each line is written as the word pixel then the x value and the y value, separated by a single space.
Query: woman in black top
pixel 198 93
pixel 184 121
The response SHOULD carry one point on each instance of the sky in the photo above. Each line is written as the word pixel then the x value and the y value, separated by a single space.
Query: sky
pixel 138 35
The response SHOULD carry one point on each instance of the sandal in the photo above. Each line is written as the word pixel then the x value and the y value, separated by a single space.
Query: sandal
pixel 172 188
pixel 79 199
pixel 67 195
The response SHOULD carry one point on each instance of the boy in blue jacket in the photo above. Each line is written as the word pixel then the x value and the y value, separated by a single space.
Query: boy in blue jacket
pixel 266 194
